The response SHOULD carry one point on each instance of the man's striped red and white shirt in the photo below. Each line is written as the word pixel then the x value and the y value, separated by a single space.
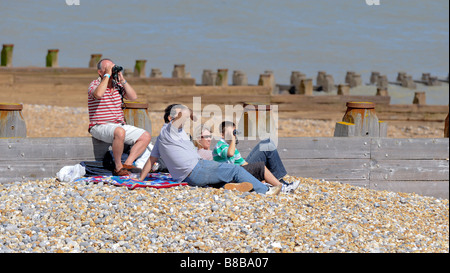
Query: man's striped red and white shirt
pixel 108 109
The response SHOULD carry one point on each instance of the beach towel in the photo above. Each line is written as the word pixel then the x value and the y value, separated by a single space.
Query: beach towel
pixel 153 180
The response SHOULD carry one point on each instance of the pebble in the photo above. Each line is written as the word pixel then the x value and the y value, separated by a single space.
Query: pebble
pixel 53 217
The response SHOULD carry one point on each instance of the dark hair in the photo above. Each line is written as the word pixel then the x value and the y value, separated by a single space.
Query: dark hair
pixel 168 111
pixel 226 124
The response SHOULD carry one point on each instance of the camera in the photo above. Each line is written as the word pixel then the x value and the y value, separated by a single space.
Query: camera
pixel 115 72
pixel 236 132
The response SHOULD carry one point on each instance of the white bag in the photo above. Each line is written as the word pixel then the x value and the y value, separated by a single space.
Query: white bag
pixel 142 159
pixel 71 173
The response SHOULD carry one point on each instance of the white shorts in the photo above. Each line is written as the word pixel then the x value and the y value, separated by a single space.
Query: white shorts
pixel 105 132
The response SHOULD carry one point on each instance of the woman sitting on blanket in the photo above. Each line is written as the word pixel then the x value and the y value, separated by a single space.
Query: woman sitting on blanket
pixel 202 140
pixel 257 162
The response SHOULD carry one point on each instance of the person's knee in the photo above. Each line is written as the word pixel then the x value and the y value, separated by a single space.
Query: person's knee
pixel 145 137
pixel 267 145
pixel 119 134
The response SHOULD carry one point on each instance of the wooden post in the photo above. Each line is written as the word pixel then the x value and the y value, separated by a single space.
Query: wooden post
pixel 374 77
pixel 401 76
pixel 206 77
pixel 222 77
pixel 52 58
pixel 139 68
pixel 353 79
pixel 329 84
pixel 306 87
pixel 178 71
pixel 95 58
pixel 343 89
pixel 357 80
pixel 383 128
pixel 136 114
pixel 426 77
pixel 363 115
pixel 242 79
pixel 347 129
pixel 296 77
pixel 349 77
pixel 272 81
pixel 156 73
pixel 127 72
pixel 321 78
pixel 408 82
pixel 344 129
pixel 213 78
pixel 234 77
pixel 7 55
pixel 420 98
pixel 382 92
pixel 209 77
pixel 382 82
pixel 434 81
pixel 12 123
pixel 239 78
pixel 446 127
pixel 264 80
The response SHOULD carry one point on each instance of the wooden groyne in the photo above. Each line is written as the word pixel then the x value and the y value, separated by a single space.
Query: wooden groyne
pixel 158 92
pixel 75 76
pixel 298 81
pixel 399 165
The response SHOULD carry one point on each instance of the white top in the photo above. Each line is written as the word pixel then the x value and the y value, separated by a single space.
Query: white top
pixel 177 151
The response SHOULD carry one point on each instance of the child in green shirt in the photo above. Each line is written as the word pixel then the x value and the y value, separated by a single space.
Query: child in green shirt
pixel 225 152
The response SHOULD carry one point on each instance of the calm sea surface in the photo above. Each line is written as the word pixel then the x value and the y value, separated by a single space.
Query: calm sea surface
pixel 335 36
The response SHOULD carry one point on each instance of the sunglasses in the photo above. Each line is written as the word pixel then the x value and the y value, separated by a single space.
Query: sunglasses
pixel 206 136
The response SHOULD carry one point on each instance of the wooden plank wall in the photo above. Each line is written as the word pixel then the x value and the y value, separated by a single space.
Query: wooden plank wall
pixel 419 165
pixel 399 165
pixel 37 158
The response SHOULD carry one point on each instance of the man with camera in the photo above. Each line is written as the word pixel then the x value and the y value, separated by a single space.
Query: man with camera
pixel 106 118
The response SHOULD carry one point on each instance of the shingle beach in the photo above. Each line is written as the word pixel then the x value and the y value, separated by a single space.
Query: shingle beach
pixel 321 216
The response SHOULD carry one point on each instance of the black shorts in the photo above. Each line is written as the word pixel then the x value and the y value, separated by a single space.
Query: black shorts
pixel 256 169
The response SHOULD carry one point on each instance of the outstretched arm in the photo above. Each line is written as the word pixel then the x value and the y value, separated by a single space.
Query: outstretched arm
pixel 147 167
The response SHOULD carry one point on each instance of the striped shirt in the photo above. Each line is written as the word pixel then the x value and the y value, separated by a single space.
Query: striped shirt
pixel 108 109
pixel 220 154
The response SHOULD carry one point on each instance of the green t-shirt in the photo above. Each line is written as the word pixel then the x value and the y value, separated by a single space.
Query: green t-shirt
pixel 220 154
